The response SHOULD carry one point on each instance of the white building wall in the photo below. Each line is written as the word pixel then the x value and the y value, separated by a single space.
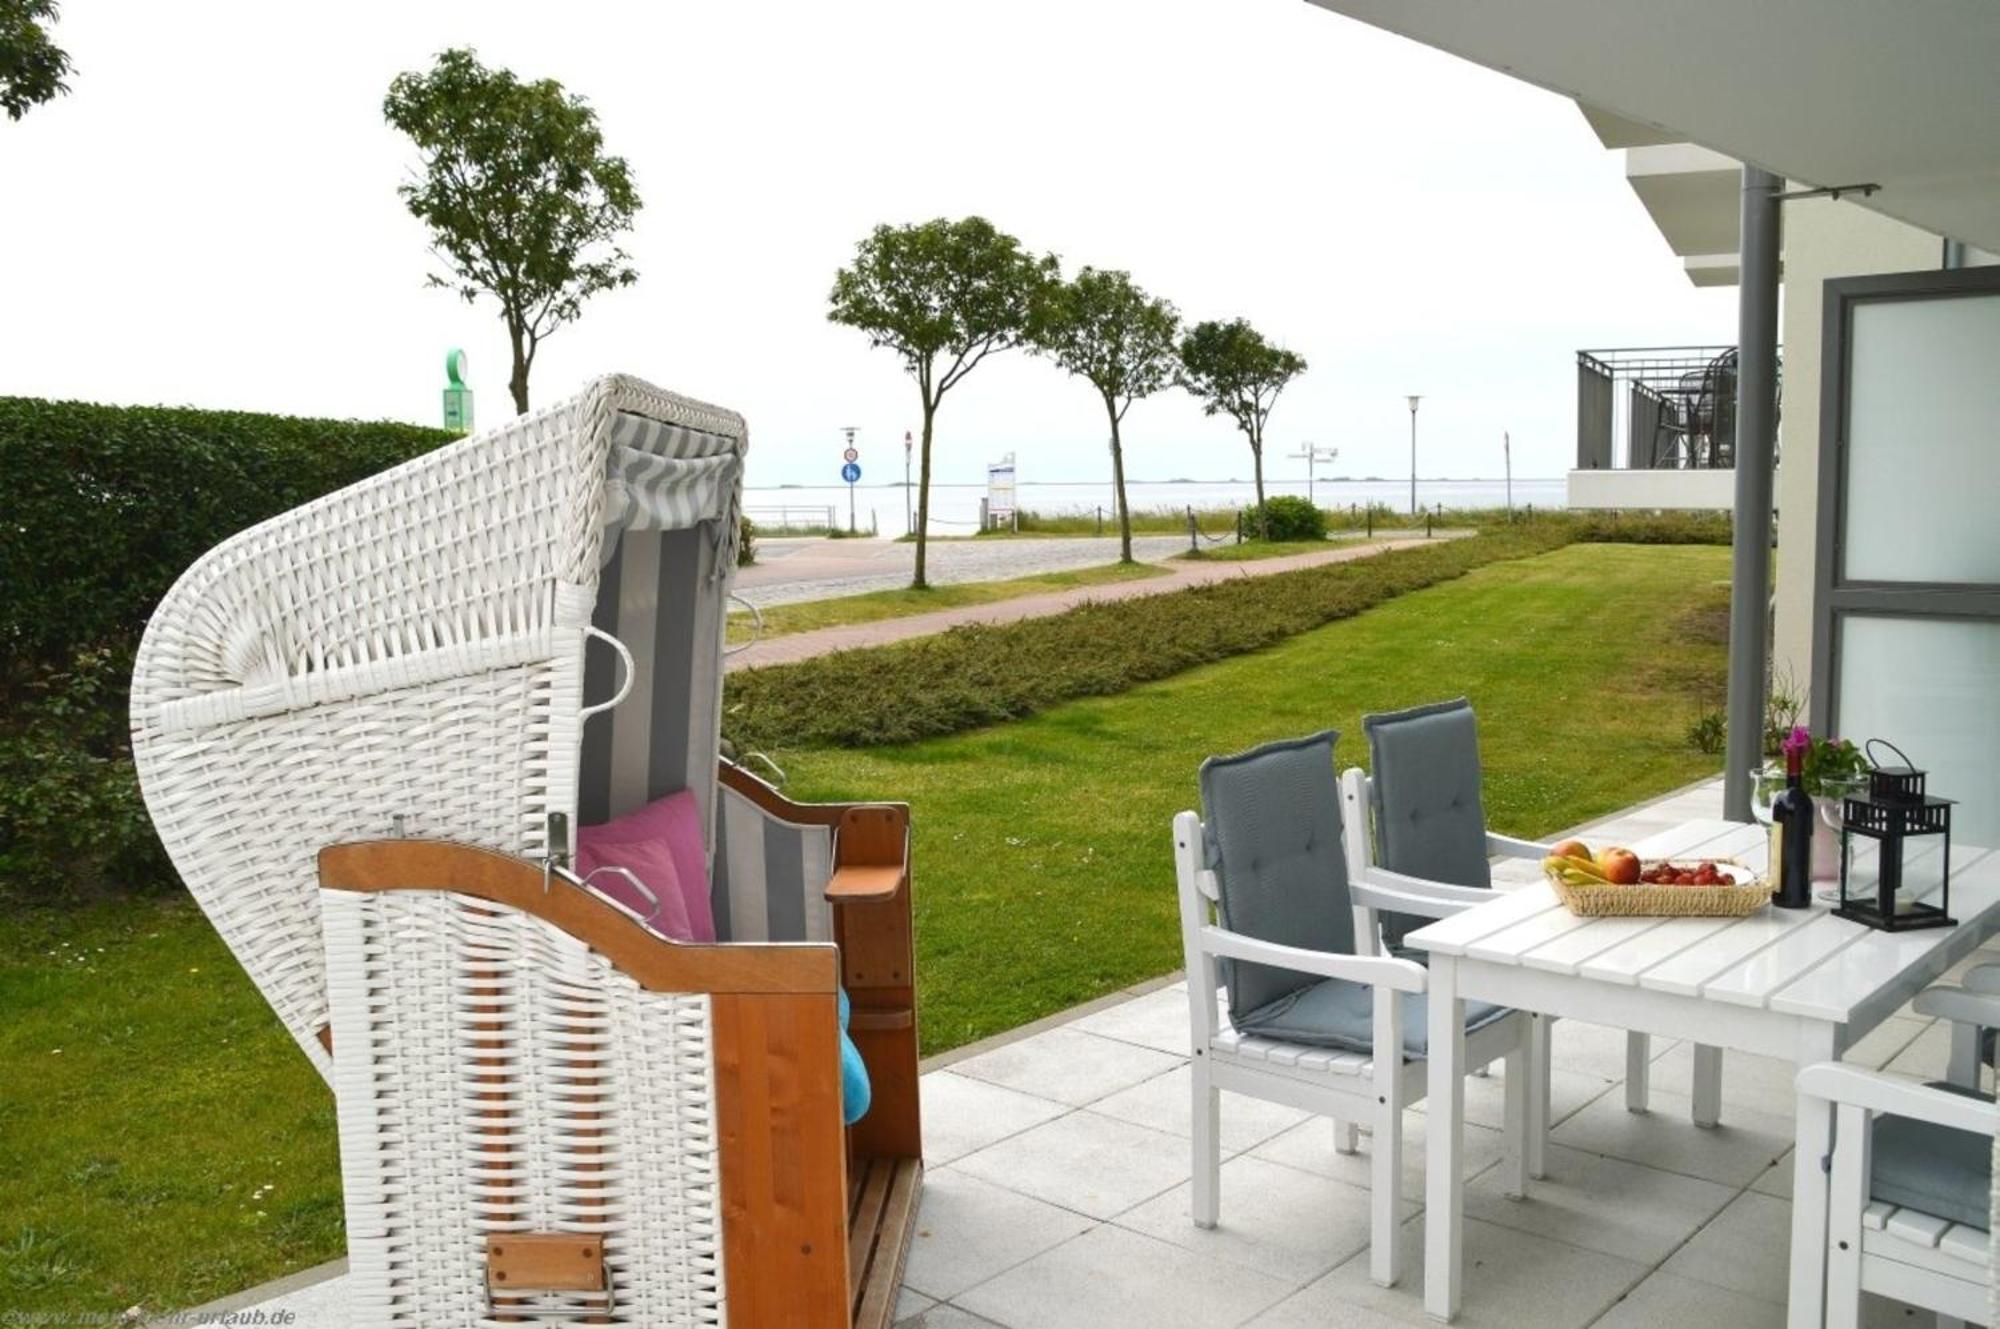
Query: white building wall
pixel 1823 239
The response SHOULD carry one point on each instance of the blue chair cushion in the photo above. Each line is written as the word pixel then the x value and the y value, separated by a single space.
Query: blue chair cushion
pixel 1429 820
pixel 1335 1013
pixel 1933 1169
pixel 1272 819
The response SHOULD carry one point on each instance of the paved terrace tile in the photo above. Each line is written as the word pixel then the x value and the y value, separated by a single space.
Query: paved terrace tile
pixel 1056 1193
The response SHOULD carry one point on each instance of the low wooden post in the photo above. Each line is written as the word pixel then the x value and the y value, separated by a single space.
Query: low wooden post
pixel 1194 546
pixel 1371 519
pixel 1100 519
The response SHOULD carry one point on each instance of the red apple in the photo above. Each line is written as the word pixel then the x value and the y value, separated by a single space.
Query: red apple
pixel 1573 849
pixel 1619 866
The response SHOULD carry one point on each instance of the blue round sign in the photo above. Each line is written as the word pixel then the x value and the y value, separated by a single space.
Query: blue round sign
pixel 850 472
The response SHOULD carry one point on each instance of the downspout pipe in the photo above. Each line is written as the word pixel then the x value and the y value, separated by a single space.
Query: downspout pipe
pixel 1756 449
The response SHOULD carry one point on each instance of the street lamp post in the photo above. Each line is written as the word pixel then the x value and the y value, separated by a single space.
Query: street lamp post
pixel 1414 399
pixel 908 520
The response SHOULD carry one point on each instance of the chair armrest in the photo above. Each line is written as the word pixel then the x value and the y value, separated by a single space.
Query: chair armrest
pixel 1372 970
pixel 1982 978
pixel 1506 846
pixel 1960 1005
pixel 857 883
pixel 1407 894
pixel 1833 1082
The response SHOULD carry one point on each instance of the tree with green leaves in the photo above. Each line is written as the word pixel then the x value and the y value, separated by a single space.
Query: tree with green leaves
pixel 1235 372
pixel 943 295
pixel 1104 329
pixel 522 201
pixel 33 69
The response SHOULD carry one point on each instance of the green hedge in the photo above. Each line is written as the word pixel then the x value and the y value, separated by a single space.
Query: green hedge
pixel 104 507
pixel 980 674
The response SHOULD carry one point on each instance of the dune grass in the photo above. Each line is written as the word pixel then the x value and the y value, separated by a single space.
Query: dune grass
pixel 163 1142
pixel 873 606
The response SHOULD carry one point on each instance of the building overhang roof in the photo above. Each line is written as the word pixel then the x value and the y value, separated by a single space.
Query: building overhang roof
pixel 1826 93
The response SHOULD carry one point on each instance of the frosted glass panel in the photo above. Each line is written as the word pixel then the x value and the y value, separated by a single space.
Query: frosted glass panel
pixel 1931 686
pixel 1923 454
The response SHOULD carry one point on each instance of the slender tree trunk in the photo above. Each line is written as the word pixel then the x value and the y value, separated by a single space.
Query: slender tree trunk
pixel 924 496
pixel 1118 486
pixel 1257 459
pixel 517 382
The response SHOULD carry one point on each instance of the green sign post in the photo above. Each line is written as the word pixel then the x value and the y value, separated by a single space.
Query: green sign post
pixel 457 396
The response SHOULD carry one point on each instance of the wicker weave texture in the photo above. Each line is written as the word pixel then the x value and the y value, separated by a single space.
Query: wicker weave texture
pixel 409 648
pixel 495 1075
pixel 1650 900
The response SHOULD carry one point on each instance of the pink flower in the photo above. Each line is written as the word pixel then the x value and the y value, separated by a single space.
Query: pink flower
pixel 1797 741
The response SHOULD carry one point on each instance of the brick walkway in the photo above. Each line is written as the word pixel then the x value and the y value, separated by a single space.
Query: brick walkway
pixel 804 645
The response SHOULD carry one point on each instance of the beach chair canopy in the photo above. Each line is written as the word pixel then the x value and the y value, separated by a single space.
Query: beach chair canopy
pixel 433 652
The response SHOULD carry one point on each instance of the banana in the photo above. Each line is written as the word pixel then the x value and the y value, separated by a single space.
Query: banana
pixel 1563 866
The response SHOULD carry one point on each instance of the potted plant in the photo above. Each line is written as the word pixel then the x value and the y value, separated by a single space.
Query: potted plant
pixel 1832 769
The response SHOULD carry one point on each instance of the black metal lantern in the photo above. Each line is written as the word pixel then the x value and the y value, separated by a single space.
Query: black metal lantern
pixel 1912 889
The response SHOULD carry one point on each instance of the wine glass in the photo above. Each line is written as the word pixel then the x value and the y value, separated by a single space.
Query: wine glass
pixel 1765 782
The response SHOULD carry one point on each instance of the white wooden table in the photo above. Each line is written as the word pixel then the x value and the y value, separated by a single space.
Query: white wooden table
pixel 1800 984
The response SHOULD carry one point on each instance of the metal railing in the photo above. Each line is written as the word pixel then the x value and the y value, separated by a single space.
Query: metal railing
pixel 1656 408
pixel 792 519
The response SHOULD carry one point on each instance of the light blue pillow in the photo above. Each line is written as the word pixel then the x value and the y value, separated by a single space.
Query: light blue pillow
pixel 855 1092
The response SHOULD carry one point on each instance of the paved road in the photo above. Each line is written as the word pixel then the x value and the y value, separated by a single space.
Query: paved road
pixel 791 570
pixel 803 645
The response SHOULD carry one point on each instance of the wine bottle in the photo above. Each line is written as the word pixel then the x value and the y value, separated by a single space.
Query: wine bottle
pixel 1792 833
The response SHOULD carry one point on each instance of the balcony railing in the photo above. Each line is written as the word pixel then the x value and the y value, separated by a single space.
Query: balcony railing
pixel 1656 408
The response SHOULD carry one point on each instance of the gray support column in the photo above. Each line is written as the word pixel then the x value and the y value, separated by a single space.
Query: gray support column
pixel 1756 444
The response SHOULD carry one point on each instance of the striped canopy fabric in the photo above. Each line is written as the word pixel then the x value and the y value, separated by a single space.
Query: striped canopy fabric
pixel 667 477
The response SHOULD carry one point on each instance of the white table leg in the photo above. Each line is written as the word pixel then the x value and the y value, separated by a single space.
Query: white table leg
pixel 1707 1085
pixel 1514 1132
pixel 1346 1137
pixel 1806 1302
pixel 1638 1070
pixel 1444 1180
pixel 1538 1096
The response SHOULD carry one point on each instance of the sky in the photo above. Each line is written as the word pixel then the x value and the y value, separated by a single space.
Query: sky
pixel 210 218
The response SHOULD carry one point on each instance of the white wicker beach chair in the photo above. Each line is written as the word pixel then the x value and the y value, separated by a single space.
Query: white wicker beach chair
pixel 367 731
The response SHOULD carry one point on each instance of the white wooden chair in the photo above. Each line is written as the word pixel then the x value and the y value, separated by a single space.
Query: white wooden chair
pixel 1292 806
pixel 1905 1200
pixel 1432 755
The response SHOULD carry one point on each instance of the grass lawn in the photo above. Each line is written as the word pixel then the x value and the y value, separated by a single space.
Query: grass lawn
pixel 1042 871
pixel 163 1142
pixel 807 615
pixel 162 1139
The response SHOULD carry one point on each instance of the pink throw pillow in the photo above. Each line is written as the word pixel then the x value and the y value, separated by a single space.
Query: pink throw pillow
pixel 652 864
pixel 674 822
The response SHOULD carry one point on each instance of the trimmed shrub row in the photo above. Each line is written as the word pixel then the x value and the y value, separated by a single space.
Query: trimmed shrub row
pixel 106 505
pixel 981 674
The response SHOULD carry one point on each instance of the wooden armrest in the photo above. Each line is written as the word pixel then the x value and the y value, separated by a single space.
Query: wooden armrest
pixel 859 882
pixel 871 853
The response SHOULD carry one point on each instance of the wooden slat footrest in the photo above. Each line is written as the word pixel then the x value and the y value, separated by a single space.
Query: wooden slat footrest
pixel 882 1216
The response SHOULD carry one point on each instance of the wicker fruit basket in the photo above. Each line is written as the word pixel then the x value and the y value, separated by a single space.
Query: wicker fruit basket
pixel 1746 893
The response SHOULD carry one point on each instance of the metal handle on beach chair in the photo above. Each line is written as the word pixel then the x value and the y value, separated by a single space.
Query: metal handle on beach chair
pixel 630 672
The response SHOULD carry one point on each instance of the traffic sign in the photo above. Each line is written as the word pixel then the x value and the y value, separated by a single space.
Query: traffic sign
pixel 850 472
pixel 852 454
